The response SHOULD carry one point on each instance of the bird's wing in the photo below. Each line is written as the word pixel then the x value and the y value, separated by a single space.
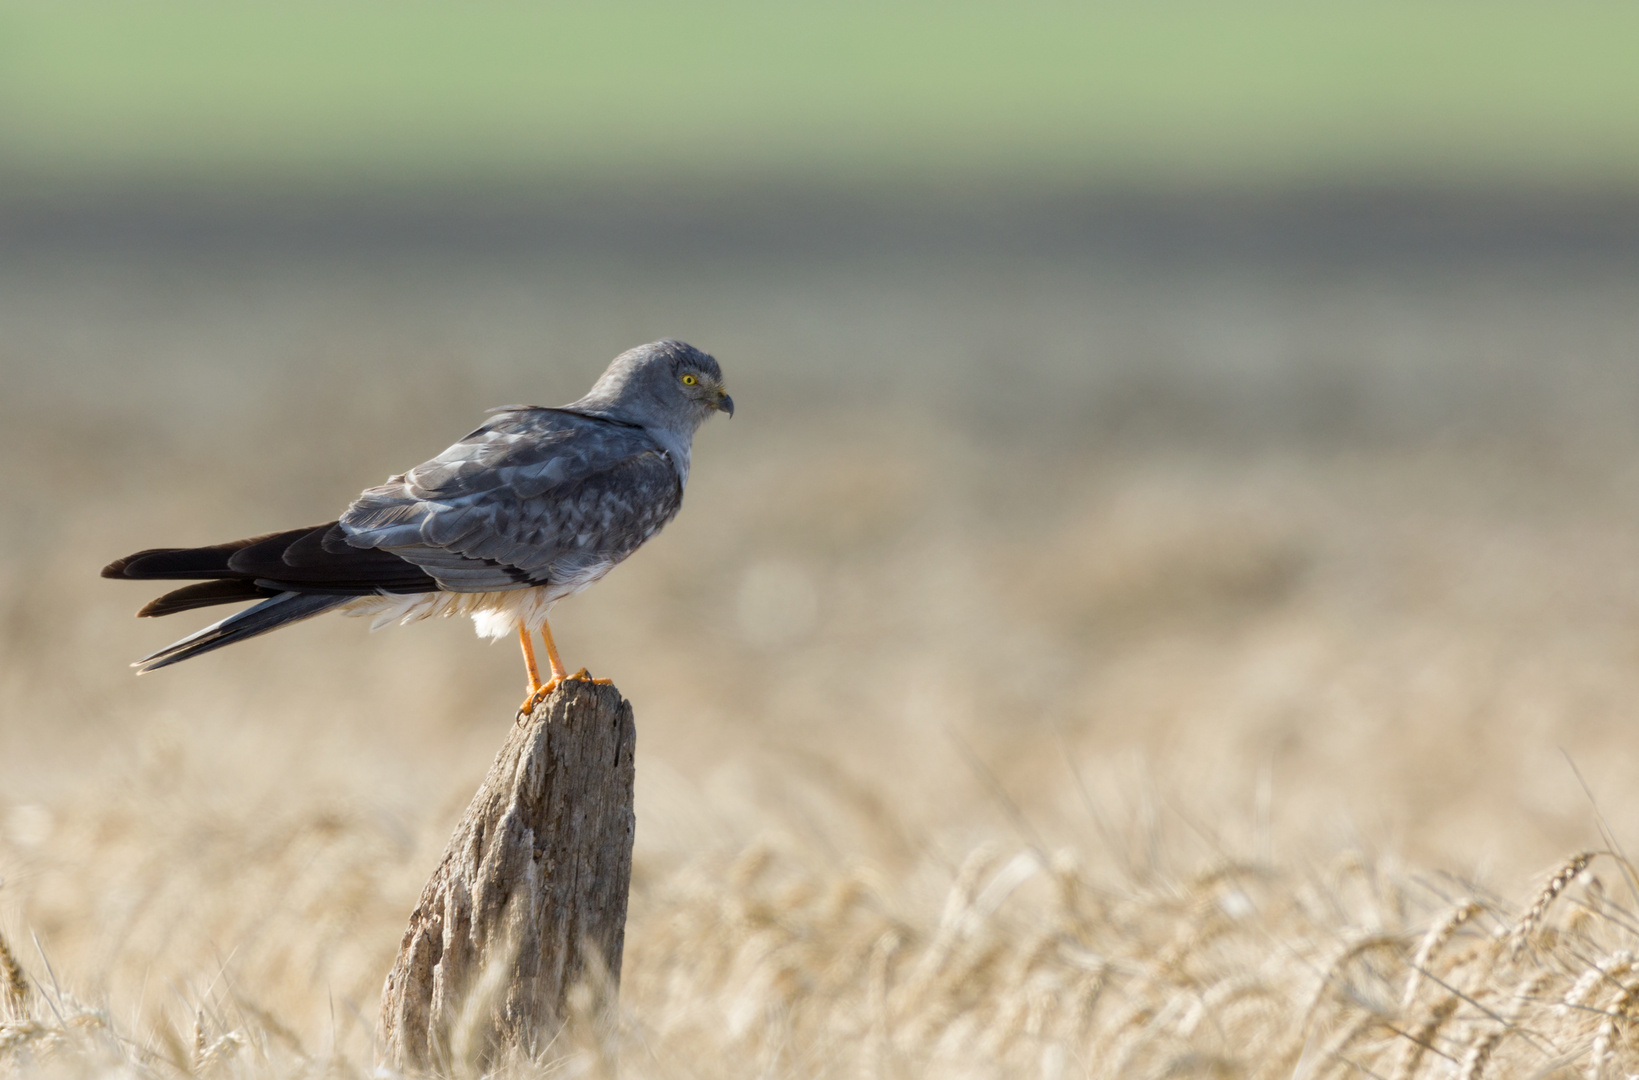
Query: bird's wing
pixel 316 559
pixel 532 497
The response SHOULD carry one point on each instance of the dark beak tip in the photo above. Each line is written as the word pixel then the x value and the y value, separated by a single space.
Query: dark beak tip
pixel 727 405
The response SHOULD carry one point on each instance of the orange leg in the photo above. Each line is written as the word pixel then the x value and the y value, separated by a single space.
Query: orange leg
pixel 558 674
pixel 529 665
pixel 538 690
pixel 552 652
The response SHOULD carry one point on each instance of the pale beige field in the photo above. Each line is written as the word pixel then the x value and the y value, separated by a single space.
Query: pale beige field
pixel 1057 670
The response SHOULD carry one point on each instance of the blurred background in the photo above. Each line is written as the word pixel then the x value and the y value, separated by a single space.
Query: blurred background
pixel 1166 433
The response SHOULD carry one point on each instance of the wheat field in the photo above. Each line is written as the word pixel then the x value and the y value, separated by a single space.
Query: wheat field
pixel 1058 669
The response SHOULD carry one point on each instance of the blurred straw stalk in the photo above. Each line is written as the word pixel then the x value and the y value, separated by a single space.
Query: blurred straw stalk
pixel 1029 965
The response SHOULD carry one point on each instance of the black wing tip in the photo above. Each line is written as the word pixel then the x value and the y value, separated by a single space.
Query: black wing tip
pixel 308 561
pixel 117 568
pixel 130 567
pixel 210 562
pixel 205 594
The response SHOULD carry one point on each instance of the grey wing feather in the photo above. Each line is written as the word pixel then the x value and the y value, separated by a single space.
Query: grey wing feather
pixel 532 497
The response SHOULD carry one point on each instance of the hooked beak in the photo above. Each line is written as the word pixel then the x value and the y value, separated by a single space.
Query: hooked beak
pixel 725 404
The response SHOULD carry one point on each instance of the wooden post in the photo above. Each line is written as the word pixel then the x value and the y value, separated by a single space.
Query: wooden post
pixel 529 902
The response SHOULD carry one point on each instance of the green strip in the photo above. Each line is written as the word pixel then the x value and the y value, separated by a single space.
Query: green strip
pixel 1179 92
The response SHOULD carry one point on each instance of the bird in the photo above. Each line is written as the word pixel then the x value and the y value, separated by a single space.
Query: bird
pixel 533 506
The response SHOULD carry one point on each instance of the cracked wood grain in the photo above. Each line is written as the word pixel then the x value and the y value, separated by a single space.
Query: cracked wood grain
pixel 527 910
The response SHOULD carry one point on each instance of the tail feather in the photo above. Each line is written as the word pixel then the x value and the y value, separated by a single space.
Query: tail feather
pixel 270 614
pixel 295 574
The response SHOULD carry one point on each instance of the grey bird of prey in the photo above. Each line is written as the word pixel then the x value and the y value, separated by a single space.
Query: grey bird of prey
pixel 535 505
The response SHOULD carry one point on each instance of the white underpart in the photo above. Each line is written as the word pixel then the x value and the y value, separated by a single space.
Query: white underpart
pixel 494 614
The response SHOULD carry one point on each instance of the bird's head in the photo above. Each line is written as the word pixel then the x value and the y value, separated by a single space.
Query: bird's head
pixel 663 384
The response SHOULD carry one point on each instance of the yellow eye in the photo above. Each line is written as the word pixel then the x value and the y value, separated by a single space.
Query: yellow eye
pixel 689 380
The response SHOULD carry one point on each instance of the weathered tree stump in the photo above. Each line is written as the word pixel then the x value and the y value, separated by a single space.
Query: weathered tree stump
pixel 529 902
